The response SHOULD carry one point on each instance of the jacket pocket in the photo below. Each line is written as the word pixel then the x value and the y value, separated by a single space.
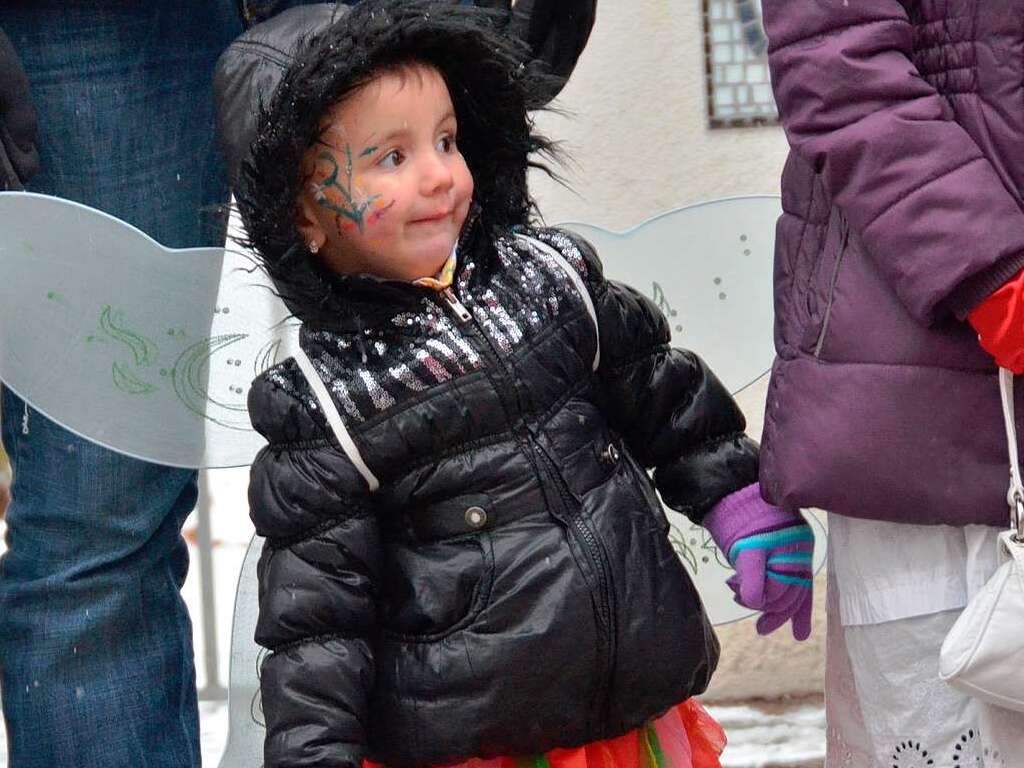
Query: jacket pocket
pixel 641 487
pixel 669 654
pixel 590 465
pixel 844 241
pixel 431 589
pixel 821 290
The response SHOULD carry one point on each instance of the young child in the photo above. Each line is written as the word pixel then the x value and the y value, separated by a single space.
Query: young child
pixel 465 557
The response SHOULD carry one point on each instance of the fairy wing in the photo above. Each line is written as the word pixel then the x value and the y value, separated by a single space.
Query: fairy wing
pixel 143 349
pixel 709 268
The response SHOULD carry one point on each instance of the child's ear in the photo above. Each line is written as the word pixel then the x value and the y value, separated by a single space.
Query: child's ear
pixel 308 224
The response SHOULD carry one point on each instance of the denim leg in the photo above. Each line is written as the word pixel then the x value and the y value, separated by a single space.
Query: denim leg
pixel 96 664
pixel 126 115
pixel 95 640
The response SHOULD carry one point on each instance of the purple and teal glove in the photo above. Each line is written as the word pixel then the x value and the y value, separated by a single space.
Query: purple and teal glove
pixel 772 551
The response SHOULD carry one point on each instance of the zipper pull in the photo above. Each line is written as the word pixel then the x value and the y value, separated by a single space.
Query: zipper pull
pixel 456 306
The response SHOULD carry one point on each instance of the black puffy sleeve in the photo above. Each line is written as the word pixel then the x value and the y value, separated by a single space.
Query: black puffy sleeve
pixel 317 578
pixel 674 414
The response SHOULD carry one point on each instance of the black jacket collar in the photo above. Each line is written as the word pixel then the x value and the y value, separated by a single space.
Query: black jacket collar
pixel 359 302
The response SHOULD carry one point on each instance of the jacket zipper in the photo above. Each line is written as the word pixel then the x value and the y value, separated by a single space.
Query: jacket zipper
pixel 844 239
pixel 593 546
pixel 578 528
pixel 568 514
pixel 456 306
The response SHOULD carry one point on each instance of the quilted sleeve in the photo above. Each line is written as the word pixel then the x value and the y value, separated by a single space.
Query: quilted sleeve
pixel 317 579
pixel 928 205
pixel 674 415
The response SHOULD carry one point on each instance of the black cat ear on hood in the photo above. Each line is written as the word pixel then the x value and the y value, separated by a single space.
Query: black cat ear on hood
pixel 556 31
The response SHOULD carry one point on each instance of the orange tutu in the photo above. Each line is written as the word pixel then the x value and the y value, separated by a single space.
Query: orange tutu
pixel 684 737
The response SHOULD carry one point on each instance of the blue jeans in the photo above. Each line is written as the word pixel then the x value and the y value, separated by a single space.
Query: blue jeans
pixel 96 661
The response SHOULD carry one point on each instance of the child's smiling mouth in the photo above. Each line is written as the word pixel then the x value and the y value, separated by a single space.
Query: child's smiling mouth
pixel 434 218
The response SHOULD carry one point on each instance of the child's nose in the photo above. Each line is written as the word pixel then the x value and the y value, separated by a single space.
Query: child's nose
pixel 435 176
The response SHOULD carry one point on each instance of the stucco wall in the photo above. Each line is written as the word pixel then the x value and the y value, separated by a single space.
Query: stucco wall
pixel 636 128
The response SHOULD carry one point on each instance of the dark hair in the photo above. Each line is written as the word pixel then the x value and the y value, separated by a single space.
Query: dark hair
pixel 492 85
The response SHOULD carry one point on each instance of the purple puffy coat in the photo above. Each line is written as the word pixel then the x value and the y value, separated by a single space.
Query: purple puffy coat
pixel 902 212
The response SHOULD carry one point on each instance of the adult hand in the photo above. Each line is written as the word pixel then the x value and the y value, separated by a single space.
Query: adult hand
pixel 19 154
pixel 999 321
pixel 772 550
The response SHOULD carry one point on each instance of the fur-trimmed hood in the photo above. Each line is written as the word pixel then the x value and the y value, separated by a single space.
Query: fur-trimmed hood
pixel 274 84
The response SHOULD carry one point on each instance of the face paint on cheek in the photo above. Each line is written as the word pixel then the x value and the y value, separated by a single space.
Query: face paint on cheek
pixel 354 204
pixel 346 226
pixel 380 211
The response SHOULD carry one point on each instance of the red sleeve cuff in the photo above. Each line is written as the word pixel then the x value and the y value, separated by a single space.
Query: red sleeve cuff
pixel 999 321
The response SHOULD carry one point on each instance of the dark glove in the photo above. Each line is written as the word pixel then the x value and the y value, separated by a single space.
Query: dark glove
pixel 19 154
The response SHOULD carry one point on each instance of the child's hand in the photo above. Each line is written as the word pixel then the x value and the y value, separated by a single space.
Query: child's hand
pixel 772 551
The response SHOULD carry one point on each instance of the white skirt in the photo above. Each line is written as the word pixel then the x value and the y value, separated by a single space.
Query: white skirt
pixel 886 706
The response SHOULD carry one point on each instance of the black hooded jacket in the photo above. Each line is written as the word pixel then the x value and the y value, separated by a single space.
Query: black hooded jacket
pixel 486 570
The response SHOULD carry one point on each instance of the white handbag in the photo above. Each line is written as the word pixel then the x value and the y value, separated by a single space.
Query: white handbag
pixel 983 654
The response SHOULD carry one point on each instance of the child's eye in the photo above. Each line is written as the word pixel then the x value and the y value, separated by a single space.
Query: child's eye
pixel 446 144
pixel 392 159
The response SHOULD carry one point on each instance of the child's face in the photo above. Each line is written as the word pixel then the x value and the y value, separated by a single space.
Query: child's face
pixel 386 189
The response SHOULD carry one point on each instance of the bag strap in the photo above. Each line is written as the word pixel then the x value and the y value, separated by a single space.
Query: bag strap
pixel 334 418
pixel 1015 496
pixel 577 280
